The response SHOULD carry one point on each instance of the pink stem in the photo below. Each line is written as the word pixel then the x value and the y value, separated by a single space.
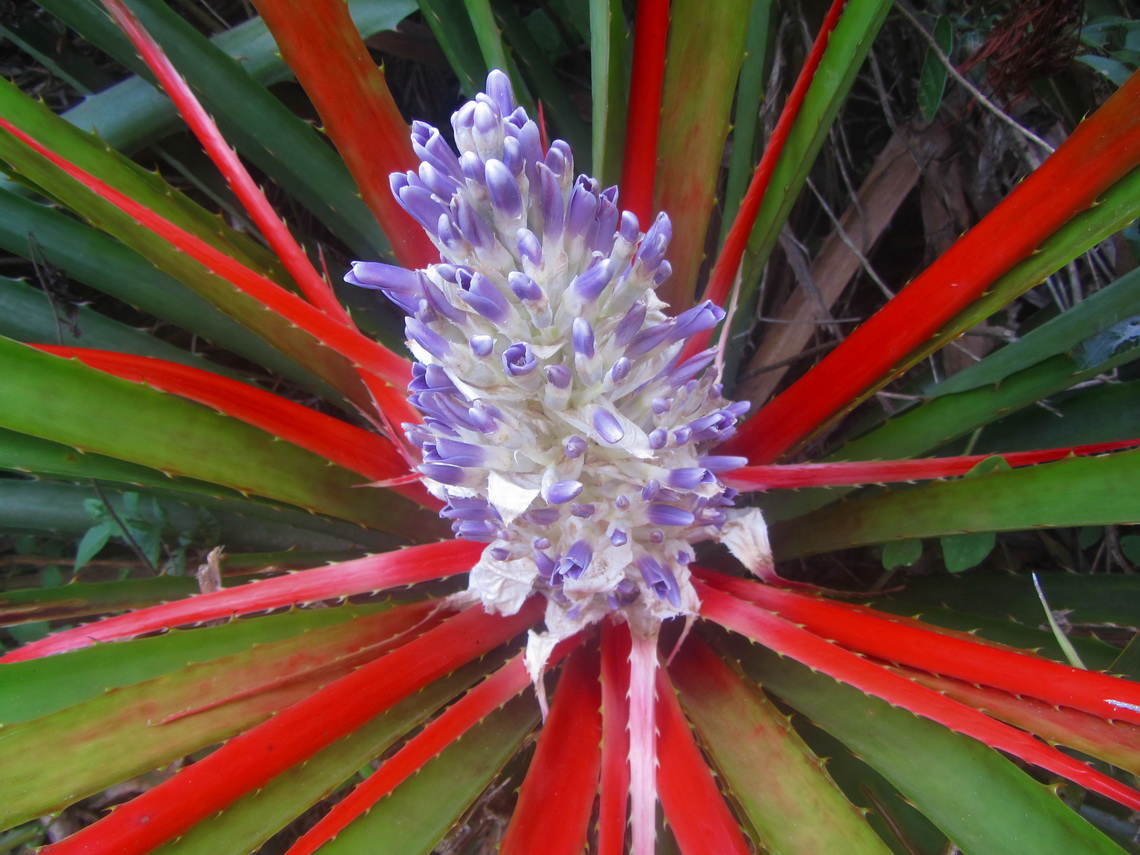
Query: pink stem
pixel 643 742
pixel 613 798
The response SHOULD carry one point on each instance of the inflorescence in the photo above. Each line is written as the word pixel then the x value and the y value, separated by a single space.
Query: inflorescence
pixel 560 427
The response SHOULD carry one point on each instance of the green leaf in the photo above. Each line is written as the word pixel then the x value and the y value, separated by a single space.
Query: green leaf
pixel 172 715
pixel 799 810
pixel 932 79
pixel 252 820
pixel 66 402
pixel 92 543
pixel 1071 492
pixel 976 796
pixel 82 599
pixel 963 551
pixel 451 26
pixel 695 105
pixel 1130 546
pixel 607 83
pixel 901 553
pixel 423 809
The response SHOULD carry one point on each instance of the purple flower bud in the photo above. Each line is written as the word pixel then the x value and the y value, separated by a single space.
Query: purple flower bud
pixel 482 345
pixel 500 553
pixel 417 201
pixel 473 226
pixel 486 299
pixel 523 286
pixel 580 211
pixel 658 438
pixel 513 156
pixel 664 271
pixel 484 118
pixel 518 360
pixel 681 436
pixel 669 515
pixel 483 417
pixel 629 229
pixel 660 406
pixel 622 502
pixel 691 367
pixel 650 490
pixel 540 543
pixel 499 90
pixel 471 165
pixel 620 370
pixel 445 473
pixel 458 453
pixel 531 142
pixel 463 118
pixel 430 341
pixel 624 594
pixel 544 563
pixel 660 579
pixel 574 447
pixel 481 532
pixel 582 511
pixel 543 516
pixel 505 194
pixel 582 335
pixel 591 282
pixel 561 492
pixel 555 160
pixel 607 426
pixel 431 147
pixel 619 537
pixel 529 246
pixel 558 375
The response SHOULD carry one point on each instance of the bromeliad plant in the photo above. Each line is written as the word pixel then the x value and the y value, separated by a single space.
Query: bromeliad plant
pixel 570 411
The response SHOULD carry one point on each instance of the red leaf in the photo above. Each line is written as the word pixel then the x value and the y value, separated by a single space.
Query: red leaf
pixel 251 196
pixel 786 638
pixel 960 655
pixel 693 805
pixel 363 575
pixel 557 795
pixel 251 760
pixel 1101 151
pixel 639 164
pixel 614 790
pixel 794 475
pixel 348 89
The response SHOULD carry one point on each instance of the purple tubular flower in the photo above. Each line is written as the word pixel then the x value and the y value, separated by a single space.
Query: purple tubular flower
pixel 582 335
pixel 518 360
pixel 630 325
pixel 513 156
pixel 550 202
pixel 661 579
pixel 649 338
pixel 691 367
pixel 713 426
pixel 607 426
pixel 505 195
pixel 430 341
pixel 484 417
pixel 445 473
pixel 558 375
pixel 437 181
pixel 591 282
pixel 440 304
pixel 576 560
pixel 669 515
pixel 417 200
pixel 530 247
pixel 471 225
pixel 482 296
pixel 432 148
pixel 402 287
pixel 468 508
pixel 530 142
pixel 701 317
pixel 480 532
pixel 454 452
pixel 523 286
pixel 561 492
pixel 620 369
pixel 574 447
pixel 722 462
pixel 688 477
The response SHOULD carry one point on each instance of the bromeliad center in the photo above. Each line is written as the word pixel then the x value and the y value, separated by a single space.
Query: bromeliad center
pixel 560 426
